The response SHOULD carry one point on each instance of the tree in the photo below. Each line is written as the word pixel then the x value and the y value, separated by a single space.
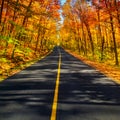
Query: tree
pixel 26 25
pixel 93 27
pixel 108 6
pixel 1 10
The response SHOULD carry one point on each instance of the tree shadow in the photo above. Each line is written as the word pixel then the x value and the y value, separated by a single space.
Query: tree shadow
pixel 28 95
pixel 84 91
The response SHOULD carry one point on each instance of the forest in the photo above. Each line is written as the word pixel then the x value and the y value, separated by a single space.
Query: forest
pixel 29 29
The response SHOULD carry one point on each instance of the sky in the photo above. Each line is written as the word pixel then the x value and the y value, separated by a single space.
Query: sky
pixel 62 1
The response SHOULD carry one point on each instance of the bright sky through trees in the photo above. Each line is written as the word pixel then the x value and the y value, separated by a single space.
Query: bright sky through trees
pixel 63 1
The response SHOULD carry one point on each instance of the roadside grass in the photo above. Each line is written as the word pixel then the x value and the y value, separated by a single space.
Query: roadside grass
pixel 9 67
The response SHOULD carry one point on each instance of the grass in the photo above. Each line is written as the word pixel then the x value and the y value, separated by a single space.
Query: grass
pixel 9 67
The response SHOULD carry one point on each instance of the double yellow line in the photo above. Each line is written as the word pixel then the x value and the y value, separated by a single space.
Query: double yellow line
pixel 55 100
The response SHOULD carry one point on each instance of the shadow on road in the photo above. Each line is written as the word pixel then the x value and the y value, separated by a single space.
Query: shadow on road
pixel 85 93
pixel 29 94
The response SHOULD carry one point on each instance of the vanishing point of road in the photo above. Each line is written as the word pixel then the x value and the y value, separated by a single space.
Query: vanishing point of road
pixel 59 87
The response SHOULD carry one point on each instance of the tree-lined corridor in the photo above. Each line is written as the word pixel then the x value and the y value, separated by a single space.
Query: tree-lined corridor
pixel 51 55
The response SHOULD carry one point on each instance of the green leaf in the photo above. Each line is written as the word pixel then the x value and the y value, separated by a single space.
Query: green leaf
pixel 19 51
pixel 10 40
pixel 3 60
pixel 28 50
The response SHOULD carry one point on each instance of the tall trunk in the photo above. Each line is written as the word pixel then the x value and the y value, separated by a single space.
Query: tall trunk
pixel 4 21
pixel 90 38
pixel 1 10
pixel 38 36
pixel 114 41
pixel 14 17
pixel 118 13
pixel 113 32
pixel 102 48
pixel 26 14
pixel 37 42
pixel 77 37
pixel 100 35
pixel 84 39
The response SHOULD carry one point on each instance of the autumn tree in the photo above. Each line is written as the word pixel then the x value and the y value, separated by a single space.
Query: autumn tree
pixel 25 26
pixel 92 27
pixel 109 8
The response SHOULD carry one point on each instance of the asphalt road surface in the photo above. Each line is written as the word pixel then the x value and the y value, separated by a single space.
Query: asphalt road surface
pixel 83 92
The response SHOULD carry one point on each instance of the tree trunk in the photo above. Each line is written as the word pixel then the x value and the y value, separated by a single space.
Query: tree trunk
pixel 114 41
pixel 1 10
pixel 26 14
pixel 14 17
pixel 113 32
pixel 100 35
pixel 118 13
pixel 84 39
pixel 90 38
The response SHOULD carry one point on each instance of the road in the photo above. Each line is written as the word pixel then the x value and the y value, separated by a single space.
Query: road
pixel 79 91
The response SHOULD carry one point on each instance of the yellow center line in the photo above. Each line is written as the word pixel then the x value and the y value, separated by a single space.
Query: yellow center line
pixel 55 100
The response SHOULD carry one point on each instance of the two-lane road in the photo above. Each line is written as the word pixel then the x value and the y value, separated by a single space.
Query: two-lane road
pixel 59 87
